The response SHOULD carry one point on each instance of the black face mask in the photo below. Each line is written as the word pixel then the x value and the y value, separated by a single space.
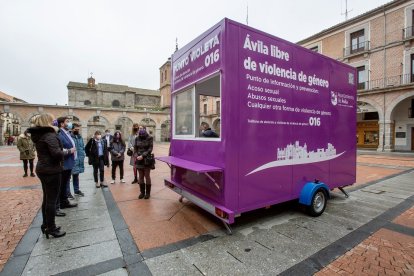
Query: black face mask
pixel 75 132
pixel 135 129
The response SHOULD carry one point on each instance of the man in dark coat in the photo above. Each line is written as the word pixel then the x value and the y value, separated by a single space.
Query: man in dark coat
pixel 67 142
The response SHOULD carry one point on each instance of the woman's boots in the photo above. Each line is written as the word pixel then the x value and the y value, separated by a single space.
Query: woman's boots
pixel 142 190
pixel 148 191
pixel 145 191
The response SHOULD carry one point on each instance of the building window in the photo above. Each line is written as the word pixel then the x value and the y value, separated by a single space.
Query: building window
pixel 357 41
pixel 165 75
pixel 362 77
pixel 118 127
pixel 115 103
pixel 218 107
pixel 87 102
pixel 412 67
pixel 205 109
pixel 96 119
pixel 162 77
pixel 184 118
pixel 315 49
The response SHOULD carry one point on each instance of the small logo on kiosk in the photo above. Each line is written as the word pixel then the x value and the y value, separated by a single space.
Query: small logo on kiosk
pixel 334 98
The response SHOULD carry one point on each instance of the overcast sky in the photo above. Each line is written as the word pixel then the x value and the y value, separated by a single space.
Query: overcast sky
pixel 44 44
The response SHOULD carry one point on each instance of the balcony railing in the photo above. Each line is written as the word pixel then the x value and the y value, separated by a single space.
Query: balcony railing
pixel 408 32
pixel 356 48
pixel 386 82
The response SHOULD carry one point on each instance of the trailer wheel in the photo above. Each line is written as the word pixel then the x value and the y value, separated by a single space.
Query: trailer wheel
pixel 318 203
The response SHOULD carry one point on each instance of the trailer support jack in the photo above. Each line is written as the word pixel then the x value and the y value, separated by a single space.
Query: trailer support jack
pixel 343 191
pixel 228 228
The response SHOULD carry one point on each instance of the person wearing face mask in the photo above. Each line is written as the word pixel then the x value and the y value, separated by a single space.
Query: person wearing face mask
pixel 97 151
pixel 117 156
pixel 108 138
pixel 79 166
pixel 68 144
pixel 131 144
pixel 27 152
pixel 143 147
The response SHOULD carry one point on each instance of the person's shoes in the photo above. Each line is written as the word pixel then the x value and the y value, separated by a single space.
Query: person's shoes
pixel 112 181
pixel 103 184
pixel 71 196
pixel 148 191
pixel 60 213
pixel 79 193
pixel 68 205
pixel 43 228
pixel 142 191
pixel 97 185
pixel 135 181
pixel 32 175
pixel 25 175
pixel 55 233
pixel 122 181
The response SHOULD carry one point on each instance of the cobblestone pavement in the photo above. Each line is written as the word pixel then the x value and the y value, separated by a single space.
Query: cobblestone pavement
pixel 173 237
pixel 385 252
pixel 20 201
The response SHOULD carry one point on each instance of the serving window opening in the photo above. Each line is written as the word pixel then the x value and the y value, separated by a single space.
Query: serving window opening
pixel 198 111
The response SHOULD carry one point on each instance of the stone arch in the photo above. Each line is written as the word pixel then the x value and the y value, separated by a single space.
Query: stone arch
pixel 374 104
pixel 395 102
pixel 150 125
pixel 124 124
pixel 166 131
pixel 96 122
pixel 217 126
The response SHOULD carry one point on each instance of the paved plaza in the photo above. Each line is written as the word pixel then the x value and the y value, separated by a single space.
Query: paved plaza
pixel 111 232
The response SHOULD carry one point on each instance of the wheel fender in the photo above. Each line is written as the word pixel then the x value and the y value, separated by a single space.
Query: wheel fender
pixel 309 190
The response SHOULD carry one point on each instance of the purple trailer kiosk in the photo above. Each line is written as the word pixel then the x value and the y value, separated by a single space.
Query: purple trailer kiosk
pixel 284 117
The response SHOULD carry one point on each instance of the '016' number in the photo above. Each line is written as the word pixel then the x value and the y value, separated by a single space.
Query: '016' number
pixel 212 58
pixel 314 121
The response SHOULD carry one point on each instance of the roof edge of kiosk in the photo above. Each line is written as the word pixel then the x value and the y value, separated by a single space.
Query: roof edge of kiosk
pixel 190 44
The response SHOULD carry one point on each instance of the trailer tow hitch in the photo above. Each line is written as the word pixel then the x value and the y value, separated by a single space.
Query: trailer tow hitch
pixel 228 228
pixel 343 191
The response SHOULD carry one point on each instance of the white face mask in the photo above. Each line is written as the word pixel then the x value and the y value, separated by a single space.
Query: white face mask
pixel 98 137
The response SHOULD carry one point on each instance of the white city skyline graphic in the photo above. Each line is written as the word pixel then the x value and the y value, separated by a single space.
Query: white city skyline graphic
pixel 295 154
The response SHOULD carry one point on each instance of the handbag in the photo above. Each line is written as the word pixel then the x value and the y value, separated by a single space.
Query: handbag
pixel 129 152
pixel 149 161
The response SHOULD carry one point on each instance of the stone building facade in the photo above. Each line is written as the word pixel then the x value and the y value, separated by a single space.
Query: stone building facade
pixel 380 45
pixel 91 118
pixel 96 107
pixel 112 96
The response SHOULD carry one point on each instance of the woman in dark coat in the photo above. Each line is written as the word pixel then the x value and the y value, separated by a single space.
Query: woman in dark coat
pixel 49 168
pixel 117 150
pixel 97 151
pixel 143 148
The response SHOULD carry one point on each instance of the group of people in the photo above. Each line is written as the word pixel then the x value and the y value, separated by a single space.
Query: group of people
pixel 61 153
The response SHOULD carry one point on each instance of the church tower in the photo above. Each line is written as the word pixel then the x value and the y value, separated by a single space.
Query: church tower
pixel 165 84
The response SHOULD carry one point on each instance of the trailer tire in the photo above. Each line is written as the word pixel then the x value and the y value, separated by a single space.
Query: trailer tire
pixel 318 203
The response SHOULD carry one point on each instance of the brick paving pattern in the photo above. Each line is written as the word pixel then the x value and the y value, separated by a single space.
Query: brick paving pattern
pixel 384 253
pixel 17 210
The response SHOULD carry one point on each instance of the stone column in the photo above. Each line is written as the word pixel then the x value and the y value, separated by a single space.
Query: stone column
pixel 1 133
pixel 386 141
pixel 157 135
